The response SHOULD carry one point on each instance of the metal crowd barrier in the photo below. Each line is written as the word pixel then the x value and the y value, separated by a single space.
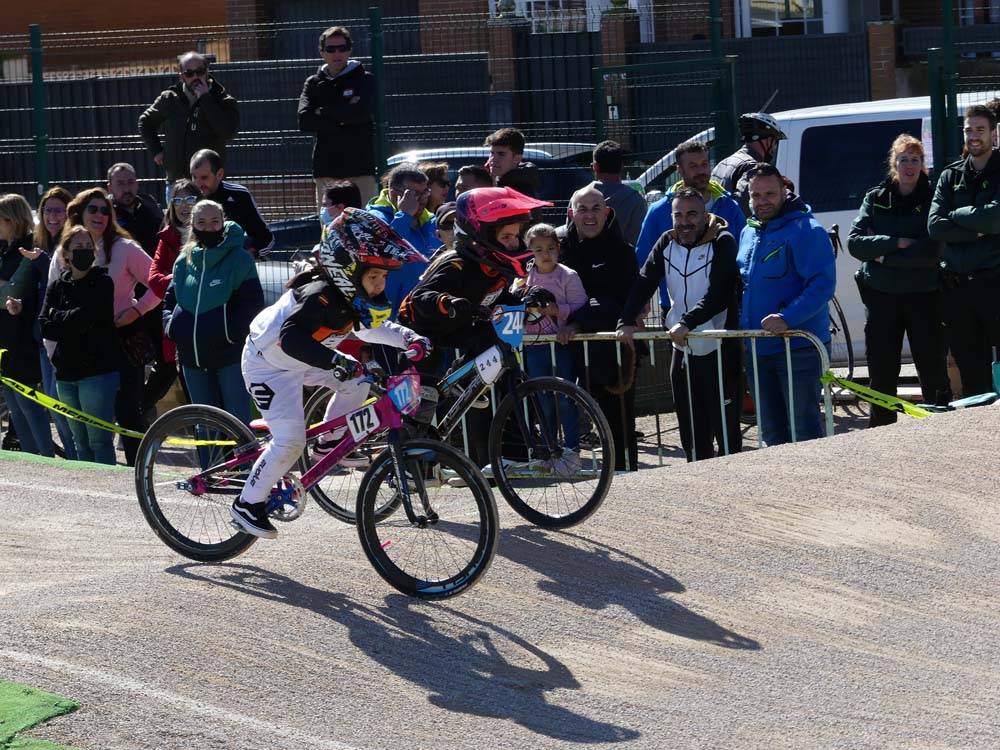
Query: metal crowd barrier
pixel 550 341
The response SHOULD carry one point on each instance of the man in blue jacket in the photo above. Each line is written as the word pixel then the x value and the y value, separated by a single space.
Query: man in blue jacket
pixel 787 268
pixel 695 172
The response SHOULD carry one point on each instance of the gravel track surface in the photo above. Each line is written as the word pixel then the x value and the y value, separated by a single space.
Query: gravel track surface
pixel 836 594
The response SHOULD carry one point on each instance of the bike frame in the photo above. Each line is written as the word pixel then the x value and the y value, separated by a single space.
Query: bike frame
pixel 390 420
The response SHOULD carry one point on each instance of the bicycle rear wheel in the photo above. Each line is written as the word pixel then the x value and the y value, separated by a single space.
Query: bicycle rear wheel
pixel 841 346
pixel 190 512
pixel 536 457
pixel 452 543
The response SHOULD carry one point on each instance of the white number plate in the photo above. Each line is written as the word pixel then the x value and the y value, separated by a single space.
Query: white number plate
pixel 489 364
pixel 362 422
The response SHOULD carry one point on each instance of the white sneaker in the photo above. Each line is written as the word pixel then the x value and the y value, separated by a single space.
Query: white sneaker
pixel 566 465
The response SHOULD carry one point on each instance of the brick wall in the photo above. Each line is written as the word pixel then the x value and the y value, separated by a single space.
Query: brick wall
pixel 453 25
pixel 246 41
pixel 109 49
pixel 882 59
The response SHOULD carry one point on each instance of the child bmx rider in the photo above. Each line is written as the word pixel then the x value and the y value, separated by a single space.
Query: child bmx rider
pixel 293 343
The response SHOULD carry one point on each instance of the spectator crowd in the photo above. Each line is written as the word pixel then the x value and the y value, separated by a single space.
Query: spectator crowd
pixel 109 299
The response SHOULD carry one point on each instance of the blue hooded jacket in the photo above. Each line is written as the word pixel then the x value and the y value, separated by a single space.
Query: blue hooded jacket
pixel 401 282
pixel 211 301
pixel 660 219
pixel 787 266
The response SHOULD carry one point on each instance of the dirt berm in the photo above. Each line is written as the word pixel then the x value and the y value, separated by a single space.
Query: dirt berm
pixel 838 594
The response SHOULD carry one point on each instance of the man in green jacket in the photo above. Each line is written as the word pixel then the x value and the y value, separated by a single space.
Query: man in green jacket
pixel 195 113
pixel 965 216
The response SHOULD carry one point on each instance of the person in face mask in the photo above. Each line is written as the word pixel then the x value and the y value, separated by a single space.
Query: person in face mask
pixel 78 314
pixel 213 295
pixel 338 196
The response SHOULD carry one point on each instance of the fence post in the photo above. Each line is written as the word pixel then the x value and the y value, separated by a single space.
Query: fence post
pixel 378 70
pixel 599 104
pixel 939 118
pixel 38 106
pixel 950 81
pixel 715 27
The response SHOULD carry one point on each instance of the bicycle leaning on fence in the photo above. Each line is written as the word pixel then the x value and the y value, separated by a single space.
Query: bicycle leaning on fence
pixel 427 537
pixel 544 478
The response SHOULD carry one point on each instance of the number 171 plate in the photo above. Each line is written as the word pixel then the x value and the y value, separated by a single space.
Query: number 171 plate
pixel 362 422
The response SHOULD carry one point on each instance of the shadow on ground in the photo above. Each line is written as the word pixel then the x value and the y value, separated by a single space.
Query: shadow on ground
pixel 468 673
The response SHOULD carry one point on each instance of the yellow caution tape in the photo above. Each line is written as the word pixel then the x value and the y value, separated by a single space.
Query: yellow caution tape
pixel 879 399
pixel 88 419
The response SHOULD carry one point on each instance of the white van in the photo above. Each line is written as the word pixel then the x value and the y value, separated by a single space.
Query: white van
pixel 834 155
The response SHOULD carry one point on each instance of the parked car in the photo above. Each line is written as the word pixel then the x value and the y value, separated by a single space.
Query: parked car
pixel 559 176
pixel 834 155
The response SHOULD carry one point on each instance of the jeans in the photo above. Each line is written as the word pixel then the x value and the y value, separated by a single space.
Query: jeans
pixel 223 388
pixel 773 406
pixel 62 424
pixel 95 396
pixel 31 422
pixel 538 363
pixel 128 406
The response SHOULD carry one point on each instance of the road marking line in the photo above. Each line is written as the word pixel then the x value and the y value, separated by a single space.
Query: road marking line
pixel 66 490
pixel 148 691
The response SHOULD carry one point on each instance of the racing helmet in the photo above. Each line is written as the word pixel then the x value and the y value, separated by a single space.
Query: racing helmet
pixel 757 125
pixel 356 242
pixel 478 215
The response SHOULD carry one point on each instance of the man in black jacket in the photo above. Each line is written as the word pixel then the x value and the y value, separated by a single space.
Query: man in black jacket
pixel 506 163
pixel 237 204
pixel 593 246
pixel 965 216
pixel 137 213
pixel 337 104
pixel 195 113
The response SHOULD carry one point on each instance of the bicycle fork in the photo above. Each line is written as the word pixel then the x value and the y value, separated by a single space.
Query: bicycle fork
pixel 428 516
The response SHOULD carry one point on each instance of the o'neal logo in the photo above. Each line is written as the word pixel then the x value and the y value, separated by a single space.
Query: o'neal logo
pixel 342 280
pixel 262 395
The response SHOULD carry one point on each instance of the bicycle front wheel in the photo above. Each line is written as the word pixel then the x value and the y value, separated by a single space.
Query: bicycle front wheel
pixel 450 542
pixel 536 456
pixel 183 488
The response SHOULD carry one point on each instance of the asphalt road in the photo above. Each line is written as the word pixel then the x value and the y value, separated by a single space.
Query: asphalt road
pixel 839 594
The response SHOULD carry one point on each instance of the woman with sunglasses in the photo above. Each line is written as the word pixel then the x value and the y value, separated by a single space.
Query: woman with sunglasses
pixel 77 316
pixel 52 219
pixel 213 296
pixel 18 316
pixel 128 266
pixel 175 232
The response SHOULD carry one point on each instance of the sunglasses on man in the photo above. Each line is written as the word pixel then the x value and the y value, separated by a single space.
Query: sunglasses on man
pixel 191 73
pixel 331 48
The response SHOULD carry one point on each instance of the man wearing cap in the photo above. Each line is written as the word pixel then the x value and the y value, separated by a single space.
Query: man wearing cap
pixel 444 225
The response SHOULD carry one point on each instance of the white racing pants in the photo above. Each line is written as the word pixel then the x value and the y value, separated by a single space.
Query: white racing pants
pixel 278 395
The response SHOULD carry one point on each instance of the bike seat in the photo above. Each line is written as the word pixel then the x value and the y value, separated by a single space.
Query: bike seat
pixel 259 424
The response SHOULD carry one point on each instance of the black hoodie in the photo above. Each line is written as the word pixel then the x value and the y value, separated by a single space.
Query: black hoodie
pixel 79 316
pixel 339 110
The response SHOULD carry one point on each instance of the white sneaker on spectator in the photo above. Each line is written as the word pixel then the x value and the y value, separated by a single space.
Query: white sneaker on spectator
pixel 566 465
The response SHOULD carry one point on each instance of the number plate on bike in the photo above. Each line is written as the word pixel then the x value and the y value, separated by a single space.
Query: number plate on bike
pixel 489 364
pixel 362 422
pixel 509 324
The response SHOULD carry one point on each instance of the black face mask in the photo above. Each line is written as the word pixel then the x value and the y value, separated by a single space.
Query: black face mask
pixel 83 259
pixel 208 239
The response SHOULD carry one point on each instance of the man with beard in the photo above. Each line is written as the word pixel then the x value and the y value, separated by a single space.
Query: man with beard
pixel 137 213
pixel 195 113
pixel 965 216
pixel 694 171
pixel 697 260
pixel 593 246
pixel 787 268
pixel 207 173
